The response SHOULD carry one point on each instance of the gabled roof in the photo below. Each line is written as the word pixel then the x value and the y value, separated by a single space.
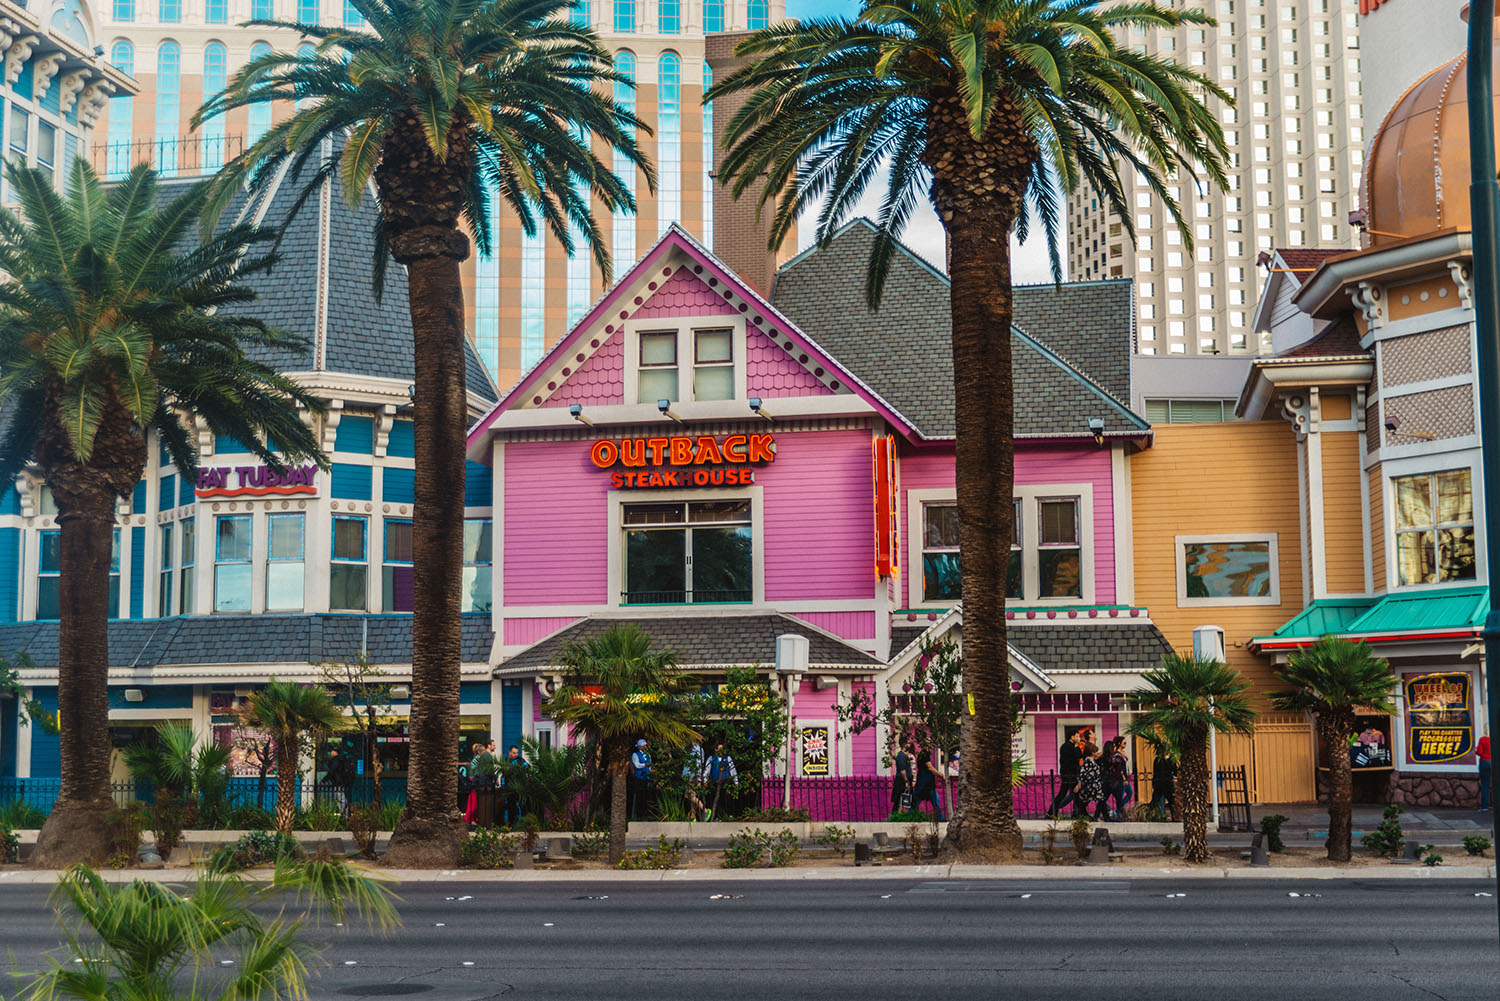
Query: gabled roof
pixel 1303 261
pixel 1438 613
pixel 1339 339
pixel 903 350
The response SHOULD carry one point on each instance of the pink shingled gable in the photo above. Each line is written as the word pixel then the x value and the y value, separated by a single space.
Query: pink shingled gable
pixel 600 379
pixel 683 294
pixel 771 372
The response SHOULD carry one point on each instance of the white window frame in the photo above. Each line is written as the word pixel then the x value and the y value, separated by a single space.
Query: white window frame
pixel 1179 551
pixel 1430 464
pixel 685 327
pixel 1029 495
pixel 616 527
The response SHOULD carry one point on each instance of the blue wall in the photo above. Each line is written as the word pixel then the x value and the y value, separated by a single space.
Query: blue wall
pixel 10 574
pixel 157 697
pixel 478 485
pixel 510 717
pixel 472 693
pixel 46 752
pixel 355 434
pixel 402 443
pixel 137 570
pixel 351 482
pixel 138 498
pixel 10 711
pixel 168 492
pixel 399 486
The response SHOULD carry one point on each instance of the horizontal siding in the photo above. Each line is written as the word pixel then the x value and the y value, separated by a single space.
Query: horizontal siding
pixel 556 525
pixel 398 486
pixel 526 631
pixel 849 625
pixel 1377 527
pixel 1343 531
pixel 819 527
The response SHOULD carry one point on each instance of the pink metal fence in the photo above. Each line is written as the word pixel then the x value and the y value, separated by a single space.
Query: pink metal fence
pixel 868 797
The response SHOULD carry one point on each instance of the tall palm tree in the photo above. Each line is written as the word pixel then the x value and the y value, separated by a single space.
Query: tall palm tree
pixel 1332 679
pixel 294 716
pixel 443 103
pixel 618 690
pixel 1186 698
pixel 114 325
pixel 986 108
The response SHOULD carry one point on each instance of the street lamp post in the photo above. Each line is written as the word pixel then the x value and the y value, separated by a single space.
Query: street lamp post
pixel 1484 194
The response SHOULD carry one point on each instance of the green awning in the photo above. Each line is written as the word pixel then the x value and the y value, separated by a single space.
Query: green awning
pixel 1445 613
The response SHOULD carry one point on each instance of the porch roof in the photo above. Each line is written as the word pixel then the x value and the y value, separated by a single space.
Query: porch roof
pixel 1448 613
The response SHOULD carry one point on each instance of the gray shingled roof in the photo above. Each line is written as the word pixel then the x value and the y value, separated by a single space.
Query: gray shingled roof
pixel 364 337
pixel 710 641
pixel 1071 352
pixel 246 639
pixel 1127 646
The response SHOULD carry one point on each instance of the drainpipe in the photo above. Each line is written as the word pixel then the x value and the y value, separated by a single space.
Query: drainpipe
pixel 1484 195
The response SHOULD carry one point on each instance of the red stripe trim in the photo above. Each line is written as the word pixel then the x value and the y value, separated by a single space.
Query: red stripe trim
pixel 1375 638
pixel 255 491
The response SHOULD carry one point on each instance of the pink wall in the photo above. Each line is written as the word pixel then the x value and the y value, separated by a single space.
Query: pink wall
pixel 866 754
pixel 1035 466
pixel 519 631
pixel 849 625
pixel 682 294
pixel 600 379
pixel 771 372
pixel 819 531
pixel 556 525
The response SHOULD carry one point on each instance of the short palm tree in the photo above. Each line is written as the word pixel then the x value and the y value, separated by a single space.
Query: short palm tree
pixel 295 717
pixel 984 108
pixel 1186 698
pixel 1332 679
pixel 116 324
pixel 618 690
pixel 194 774
pixel 445 104
pixel 550 780
pixel 146 941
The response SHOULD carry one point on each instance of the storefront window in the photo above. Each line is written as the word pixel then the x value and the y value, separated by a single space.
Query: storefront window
pixel 232 564
pixel 284 562
pixel 164 592
pixel 186 600
pixel 1434 527
pixel 688 553
pixel 396 570
pixel 1227 570
pixel 478 557
pixel 658 367
pixel 940 562
pixel 1059 555
pixel 713 365
pixel 346 575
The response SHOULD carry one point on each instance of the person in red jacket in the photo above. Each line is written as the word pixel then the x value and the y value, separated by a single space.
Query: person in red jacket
pixel 1484 772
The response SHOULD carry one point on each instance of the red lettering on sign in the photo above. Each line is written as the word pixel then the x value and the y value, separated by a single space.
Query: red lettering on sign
pixel 734 449
pixel 656 448
pixel 633 451
pixel 762 448
pixel 708 451
pixel 604 454
pixel 682 451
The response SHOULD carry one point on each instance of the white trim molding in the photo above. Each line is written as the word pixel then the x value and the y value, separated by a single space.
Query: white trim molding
pixel 1179 556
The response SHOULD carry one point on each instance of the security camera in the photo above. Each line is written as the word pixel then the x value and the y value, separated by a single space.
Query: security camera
pixel 755 404
pixel 1096 424
pixel 663 405
pixel 575 410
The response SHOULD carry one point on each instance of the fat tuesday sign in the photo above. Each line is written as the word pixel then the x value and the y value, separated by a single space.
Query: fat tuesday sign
pixel 683 460
pixel 255 481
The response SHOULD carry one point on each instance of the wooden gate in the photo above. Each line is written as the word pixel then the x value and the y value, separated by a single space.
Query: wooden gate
pixel 1285 762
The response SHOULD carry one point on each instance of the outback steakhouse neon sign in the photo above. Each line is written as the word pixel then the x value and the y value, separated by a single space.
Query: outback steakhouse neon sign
pixel 708 461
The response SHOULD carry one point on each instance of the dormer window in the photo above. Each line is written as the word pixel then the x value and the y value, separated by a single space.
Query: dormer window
pixel 689 364
pixel 713 364
pixel 658 368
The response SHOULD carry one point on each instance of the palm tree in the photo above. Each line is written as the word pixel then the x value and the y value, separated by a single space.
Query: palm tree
pixel 193 774
pixel 114 326
pixel 986 107
pixel 1332 679
pixel 139 939
pixel 550 780
pixel 618 690
pixel 294 717
pixel 443 103
pixel 1186 698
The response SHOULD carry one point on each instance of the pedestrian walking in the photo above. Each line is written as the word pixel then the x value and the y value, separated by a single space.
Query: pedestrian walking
pixel 339 778
pixel 1117 775
pixel 719 771
pixel 469 780
pixel 1090 787
pixel 640 775
pixel 1163 782
pixel 926 791
pixel 1486 776
pixel 1069 756
pixel 902 783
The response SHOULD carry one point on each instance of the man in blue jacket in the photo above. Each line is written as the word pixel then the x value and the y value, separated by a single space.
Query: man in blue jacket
pixel 719 769
pixel 640 774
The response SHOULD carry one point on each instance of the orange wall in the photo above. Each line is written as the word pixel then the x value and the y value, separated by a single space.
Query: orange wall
pixel 1377 529
pixel 1202 479
pixel 1343 535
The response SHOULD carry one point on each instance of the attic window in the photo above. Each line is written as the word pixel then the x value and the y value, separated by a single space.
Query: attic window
pixel 658 367
pixel 713 364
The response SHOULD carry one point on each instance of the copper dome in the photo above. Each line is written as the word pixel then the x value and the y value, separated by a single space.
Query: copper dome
pixel 1416 178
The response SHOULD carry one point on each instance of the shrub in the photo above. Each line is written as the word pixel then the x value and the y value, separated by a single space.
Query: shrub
pixel 1271 828
pixel 252 849
pixel 1078 832
pixel 907 817
pixel 1476 844
pixel 323 816
pixel 10 844
pixel 1170 847
pixel 488 848
pixel 587 844
pixel 21 815
pixel 776 815
pixel 166 817
pixel 125 827
pixel 744 851
pixel 665 854
pixel 836 837
pixel 1388 837
pixel 1429 856
pixel 1049 843
pixel 248 817
pixel 364 824
pixel 782 847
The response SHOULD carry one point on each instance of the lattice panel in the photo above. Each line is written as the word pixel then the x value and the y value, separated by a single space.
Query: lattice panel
pixel 1440 413
pixel 1433 355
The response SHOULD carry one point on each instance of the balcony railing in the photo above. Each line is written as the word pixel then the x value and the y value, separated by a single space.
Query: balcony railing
pixel 195 156
pixel 689 597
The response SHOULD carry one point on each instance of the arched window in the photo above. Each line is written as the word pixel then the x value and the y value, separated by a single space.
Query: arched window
pixel 216 12
pixel 211 133
pixel 758 15
pixel 668 141
pixel 668 16
pixel 625 16
pixel 708 161
pixel 121 113
pixel 623 225
pixel 260 112
pixel 171 11
pixel 713 15
pixel 168 101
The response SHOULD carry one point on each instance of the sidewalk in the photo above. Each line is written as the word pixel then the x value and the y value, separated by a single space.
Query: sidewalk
pixel 1309 821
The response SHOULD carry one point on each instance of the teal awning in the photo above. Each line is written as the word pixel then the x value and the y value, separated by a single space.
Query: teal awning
pixel 1440 613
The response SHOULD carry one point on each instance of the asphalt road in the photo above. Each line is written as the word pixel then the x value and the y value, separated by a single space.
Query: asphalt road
pixel 1032 941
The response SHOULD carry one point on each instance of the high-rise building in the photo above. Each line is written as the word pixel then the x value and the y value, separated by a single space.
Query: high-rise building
pixel 522 297
pixel 1296 135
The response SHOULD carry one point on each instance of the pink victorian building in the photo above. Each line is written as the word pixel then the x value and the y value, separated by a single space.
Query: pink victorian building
pixel 721 469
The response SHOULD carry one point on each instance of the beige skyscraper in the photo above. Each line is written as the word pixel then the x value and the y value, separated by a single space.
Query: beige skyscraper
pixel 523 297
pixel 1296 135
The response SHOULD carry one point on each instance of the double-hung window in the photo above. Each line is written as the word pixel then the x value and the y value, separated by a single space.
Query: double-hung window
pixel 1059 551
pixel 285 560
pixel 940 561
pixel 396 567
pixel 713 364
pixel 186 602
pixel 346 575
pixel 232 567
pixel 168 577
pixel 478 559
pixel 49 575
pixel 688 553
pixel 1434 515
pixel 658 367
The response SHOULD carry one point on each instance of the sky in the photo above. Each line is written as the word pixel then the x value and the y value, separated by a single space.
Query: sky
pixel 924 234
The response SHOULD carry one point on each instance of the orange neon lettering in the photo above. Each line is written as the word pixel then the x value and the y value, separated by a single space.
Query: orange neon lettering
pixel 656 447
pixel 604 454
pixel 734 448
pixel 682 451
pixel 761 448
pixel 633 452
pixel 708 451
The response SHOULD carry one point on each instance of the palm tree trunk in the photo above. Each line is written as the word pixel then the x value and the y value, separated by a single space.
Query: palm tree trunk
pixel 286 783
pixel 420 199
pixel 978 197
pixel 1340 791
pixel 1192 791
pixel 619 814
pixel 77 830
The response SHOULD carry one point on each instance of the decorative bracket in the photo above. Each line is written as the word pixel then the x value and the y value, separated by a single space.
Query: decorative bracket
pixel 1303 411
pixel 72 85
pixel 1369 298
pixel 28 488
pixel 15 57
pixel 1463 277
pixel 1361 403
pixel 205 437
pixel 383 426
pixel 331 418
pixel 42 72
pixel 92 101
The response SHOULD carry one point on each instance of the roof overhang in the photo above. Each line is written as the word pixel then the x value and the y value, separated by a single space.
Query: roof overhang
pixel 1270 377
pixel 1322 295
